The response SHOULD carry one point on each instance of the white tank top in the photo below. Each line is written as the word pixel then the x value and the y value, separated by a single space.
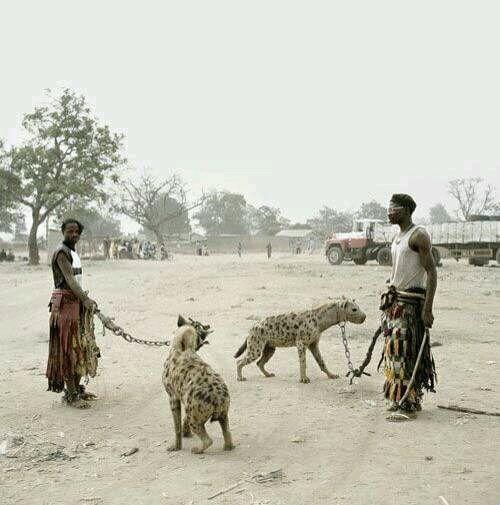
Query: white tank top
pixel 407 272
pixel 77 267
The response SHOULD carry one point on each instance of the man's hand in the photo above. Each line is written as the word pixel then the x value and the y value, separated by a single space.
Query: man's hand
pixel 90 304
pixel 427 317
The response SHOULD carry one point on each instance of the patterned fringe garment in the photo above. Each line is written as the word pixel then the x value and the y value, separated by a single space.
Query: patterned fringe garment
pixel 72 347
pixel 404 330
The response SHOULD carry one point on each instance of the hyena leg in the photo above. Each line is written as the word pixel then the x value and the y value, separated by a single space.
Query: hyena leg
pixel 175 405
pixel 301 348
pixel 267 354
pixel 186 430
pixel 228 439
pixel 314 348
pixel 254 350
pixel 206 441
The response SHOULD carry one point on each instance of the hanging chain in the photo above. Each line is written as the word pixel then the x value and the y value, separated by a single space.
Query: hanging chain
pixel 107 322
pixel 346 347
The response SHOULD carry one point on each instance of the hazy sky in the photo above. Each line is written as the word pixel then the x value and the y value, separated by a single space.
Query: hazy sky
pixel 294 104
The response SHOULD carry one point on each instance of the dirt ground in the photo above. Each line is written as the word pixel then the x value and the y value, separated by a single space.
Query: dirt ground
pixel 330 440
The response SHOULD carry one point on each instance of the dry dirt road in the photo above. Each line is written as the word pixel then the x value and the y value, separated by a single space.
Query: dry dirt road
pixel 331 440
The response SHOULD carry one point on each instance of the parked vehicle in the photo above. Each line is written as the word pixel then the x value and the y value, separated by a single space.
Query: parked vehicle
pixel 478 241
pixel 370 239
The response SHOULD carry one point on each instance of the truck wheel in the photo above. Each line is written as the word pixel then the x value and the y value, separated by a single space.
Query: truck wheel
pixel 437 256
pixel 478 262
pixel 335 255
pixel 360 260
pixel 384 256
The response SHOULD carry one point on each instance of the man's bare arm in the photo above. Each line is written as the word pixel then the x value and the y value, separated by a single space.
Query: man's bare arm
pixel 67 271
pixel 422 244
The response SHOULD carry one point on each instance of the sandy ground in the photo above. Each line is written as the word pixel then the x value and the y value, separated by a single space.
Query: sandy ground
pixel 331 440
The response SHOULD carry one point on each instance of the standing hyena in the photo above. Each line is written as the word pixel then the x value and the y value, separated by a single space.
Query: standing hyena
pixel 300 329
pixel 191 382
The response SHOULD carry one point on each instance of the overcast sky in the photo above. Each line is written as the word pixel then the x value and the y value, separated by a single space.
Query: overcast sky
pixel 294 104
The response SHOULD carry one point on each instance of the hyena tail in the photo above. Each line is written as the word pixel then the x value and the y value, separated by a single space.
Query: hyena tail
pixel 241 350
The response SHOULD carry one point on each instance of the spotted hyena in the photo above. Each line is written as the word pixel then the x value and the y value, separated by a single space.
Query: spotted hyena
pixel 300 329
pixel 189 381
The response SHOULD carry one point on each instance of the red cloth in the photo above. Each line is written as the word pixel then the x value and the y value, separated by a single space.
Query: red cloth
pixel 64 345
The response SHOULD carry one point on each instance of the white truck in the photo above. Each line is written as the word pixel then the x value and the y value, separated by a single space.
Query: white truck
pixel 478 241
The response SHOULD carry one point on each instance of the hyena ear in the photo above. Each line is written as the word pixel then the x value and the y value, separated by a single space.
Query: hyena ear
pixel 181 321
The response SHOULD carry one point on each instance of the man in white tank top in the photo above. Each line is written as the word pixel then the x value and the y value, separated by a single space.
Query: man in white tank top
pixel 412 261
pixel 407 313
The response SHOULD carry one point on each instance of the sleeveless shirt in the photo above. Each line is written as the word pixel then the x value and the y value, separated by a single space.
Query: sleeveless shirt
pixel 407 272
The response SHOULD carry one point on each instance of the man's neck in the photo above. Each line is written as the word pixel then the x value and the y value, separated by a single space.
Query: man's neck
pixel 69 244
pixel 405 225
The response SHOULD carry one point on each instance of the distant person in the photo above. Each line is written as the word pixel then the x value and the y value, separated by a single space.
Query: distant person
pixel 269 249
pixel 112 249
pixel 407 312
pixel 310 246
pixel 3 255
pixel 70 357
pixel 136 249
pixel 106 245
pixel 240 249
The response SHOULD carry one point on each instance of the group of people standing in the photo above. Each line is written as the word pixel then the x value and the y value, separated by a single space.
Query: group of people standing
pixel 134 249
pixel 7 256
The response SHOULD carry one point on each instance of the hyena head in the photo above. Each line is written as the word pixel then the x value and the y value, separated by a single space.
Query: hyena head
pixel 202 330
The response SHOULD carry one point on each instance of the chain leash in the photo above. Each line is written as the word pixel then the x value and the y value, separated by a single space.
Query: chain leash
pixel 346 349
pixel 107 322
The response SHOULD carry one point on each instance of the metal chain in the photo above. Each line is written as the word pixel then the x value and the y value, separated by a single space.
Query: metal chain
pixel 107 322
pixel 346 347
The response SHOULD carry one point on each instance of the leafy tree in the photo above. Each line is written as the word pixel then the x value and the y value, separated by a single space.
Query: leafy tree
pixel 299 226
pixel 473 196
pixel 269 220
pixel 96 222
pixel 158 205
pixel 20 228
pixel 8 210
pixel 67 153
pixel 372 210
pixel 224 212
pixel 438 214
pixel 329 221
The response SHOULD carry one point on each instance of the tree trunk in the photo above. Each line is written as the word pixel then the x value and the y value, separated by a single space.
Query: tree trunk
pixel 34 257
pixel 159 236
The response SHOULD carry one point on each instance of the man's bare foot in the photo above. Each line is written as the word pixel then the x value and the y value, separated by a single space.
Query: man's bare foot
pixel 401 416
pixel 86 395
pixel 78 403
pixel 392 407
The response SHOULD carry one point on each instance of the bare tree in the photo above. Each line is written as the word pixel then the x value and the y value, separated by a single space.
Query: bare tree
pixel 158 205
pixel 473 196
